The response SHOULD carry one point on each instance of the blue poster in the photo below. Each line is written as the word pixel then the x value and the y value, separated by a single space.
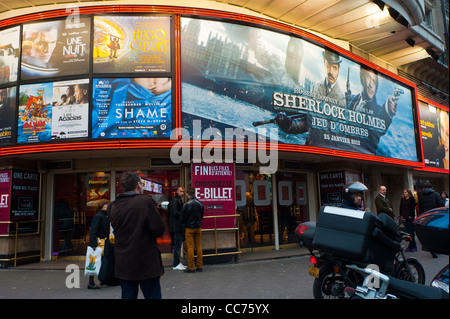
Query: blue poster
pixel 132 108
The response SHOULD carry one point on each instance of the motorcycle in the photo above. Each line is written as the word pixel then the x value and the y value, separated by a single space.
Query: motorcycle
pixel 343 237
pixel 380 286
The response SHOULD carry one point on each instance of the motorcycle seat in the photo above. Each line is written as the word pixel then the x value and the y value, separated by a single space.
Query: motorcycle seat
pixel 410 290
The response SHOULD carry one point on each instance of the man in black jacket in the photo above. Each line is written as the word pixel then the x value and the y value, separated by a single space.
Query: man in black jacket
pixel 175 228
pixel 191 217
pixel 429 199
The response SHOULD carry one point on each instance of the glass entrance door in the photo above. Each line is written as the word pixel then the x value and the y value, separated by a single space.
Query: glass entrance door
pixel 76 198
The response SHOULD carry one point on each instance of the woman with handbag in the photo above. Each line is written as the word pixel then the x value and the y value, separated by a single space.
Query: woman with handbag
pixel 99 232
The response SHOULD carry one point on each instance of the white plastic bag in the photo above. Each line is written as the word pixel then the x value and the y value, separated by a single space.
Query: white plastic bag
pixel 93 261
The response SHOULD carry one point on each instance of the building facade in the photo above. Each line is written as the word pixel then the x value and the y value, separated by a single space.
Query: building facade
pixel 267 110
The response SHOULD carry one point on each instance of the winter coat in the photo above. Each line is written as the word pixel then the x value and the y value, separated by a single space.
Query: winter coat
pixel 175 208
pixel 99 228
pixel 137 224
pixel 383 205
pixel 429 199
pixel 408 207
pixel 192 213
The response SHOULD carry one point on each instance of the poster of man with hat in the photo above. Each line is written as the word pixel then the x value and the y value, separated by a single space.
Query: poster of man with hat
pixel 329 89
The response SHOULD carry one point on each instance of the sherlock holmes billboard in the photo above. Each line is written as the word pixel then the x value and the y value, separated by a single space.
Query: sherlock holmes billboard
pixel 312 96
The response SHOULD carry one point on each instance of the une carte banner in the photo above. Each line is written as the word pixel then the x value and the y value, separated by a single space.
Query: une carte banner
pixel 311 95
pixel 214 187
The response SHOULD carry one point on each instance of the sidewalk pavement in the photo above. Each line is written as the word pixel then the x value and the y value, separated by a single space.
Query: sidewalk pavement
pixel 255 275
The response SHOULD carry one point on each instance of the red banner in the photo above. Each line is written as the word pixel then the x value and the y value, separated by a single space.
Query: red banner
pixel 214 187
pixel 5 200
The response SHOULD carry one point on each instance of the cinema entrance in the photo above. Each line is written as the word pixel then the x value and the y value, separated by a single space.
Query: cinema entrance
pixel 76 197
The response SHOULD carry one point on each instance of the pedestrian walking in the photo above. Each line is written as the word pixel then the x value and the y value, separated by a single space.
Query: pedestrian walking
pixel 137 224
pixel 99 230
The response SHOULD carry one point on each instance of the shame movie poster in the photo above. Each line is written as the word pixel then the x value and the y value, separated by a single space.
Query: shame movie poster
pixel 236 76
pixel 132 107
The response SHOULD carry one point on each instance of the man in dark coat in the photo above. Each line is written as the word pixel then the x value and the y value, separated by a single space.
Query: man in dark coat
pixel 383 204
pixel 175 228
pixel 429 199
pixel 137 224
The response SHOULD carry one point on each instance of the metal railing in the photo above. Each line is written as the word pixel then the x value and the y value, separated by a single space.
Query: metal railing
pixel 217 230
pixel 16 239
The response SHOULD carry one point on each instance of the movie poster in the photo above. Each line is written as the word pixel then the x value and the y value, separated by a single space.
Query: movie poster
pixel 53 110
pixel 55 48
pixel 132 44
pixel 313 96
pixel 434 124
pixel 9 55
pixel 214 187
pixel 132 108
pixel 70 114
pixel 7 114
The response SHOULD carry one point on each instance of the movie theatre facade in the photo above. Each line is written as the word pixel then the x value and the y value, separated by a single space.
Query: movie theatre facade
pixel 235 105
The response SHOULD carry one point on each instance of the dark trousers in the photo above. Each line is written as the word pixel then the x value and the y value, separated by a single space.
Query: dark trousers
pixel 151 288
pixel 177 240
pixel 409 226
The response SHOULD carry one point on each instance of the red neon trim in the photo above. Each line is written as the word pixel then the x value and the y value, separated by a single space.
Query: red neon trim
pixel 199 12
pixel 435 104
pixel 164 144
pixel 177 62
pixel 205 13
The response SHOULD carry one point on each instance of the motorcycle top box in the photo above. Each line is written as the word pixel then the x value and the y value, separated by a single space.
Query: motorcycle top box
pixel 357 235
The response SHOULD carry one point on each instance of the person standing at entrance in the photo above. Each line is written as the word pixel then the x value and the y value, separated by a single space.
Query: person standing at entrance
pixel 99 230
pixel 175 227
pixel 407 214
pixel 383 204
pixel 137 223
pixel 191 217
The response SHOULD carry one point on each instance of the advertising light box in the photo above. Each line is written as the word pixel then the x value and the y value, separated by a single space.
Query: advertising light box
pixel 132 44
pixel 55 48
pixel 7 114
pixel 53 110
pixel 9 55
pixel 132 108
pixel 434 124
pixel 311 95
